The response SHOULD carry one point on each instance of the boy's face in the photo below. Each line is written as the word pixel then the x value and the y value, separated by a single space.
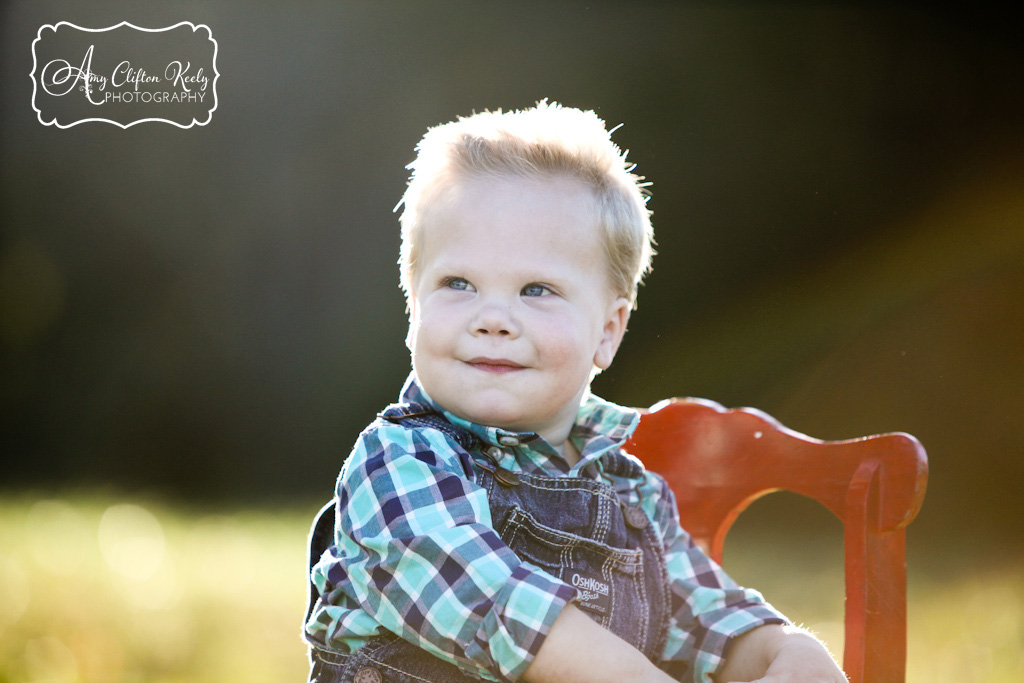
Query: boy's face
pixel 511 309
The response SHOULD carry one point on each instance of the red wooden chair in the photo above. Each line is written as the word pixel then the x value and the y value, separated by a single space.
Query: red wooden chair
pixel 718 461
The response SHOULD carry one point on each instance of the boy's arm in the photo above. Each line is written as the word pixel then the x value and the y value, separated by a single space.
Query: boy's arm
pixel 767 649
pixel 710 610
pixel 416 554
pixel 579 650
pixel 779 654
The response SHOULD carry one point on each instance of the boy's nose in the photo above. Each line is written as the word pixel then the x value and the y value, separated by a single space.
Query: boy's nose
pixel 495 318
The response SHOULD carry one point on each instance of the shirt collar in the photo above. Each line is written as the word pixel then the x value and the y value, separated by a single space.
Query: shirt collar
pixel 600 427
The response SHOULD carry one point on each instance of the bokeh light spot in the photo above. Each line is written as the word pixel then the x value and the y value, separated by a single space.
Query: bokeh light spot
pixel 132 541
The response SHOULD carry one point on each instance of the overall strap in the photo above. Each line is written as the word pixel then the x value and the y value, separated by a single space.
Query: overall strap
pixel 422 415
pixel 618 465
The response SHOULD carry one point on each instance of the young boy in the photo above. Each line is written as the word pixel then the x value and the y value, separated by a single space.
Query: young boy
pixel 490 526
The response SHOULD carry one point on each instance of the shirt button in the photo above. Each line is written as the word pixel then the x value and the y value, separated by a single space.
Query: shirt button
pixel 367 675
pixel 508 440
pixel 495 452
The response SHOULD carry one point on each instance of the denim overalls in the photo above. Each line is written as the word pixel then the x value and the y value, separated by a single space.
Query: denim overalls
pixel 577 529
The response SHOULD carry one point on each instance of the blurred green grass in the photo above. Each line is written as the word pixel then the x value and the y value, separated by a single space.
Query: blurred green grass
pixel 95 589
pixel 102 590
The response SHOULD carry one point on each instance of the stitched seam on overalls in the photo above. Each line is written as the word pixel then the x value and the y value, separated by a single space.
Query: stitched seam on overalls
pixel 332 657
pixel 658 647
pixel 605 491
pixel 626 557
pixel 604 519
pixel 645 605
pixel 403 672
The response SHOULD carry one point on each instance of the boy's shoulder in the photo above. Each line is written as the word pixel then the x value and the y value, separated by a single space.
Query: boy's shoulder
pixel 409 432
pixel 415 415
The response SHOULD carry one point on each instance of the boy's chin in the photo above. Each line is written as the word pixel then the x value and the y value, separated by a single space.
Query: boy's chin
pixel 515 418
pixel 500 417
pixel 502 414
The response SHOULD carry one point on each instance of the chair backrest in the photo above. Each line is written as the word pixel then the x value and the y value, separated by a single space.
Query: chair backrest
pixel 718 461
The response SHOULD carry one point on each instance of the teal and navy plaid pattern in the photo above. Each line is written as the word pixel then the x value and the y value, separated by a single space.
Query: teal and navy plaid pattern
pixel 415 552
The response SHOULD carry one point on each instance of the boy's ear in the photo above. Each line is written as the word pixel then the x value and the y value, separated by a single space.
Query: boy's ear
pixel 614 328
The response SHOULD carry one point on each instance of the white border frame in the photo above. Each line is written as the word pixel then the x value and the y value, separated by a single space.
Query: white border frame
pixel 54 27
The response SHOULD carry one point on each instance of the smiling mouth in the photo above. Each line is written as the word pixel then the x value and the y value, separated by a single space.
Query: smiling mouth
pixel 495 365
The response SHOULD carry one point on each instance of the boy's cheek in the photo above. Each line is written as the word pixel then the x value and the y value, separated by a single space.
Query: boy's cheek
pixel 414 323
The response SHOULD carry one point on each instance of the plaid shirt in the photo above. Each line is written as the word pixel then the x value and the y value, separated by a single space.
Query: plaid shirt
pixel 415 552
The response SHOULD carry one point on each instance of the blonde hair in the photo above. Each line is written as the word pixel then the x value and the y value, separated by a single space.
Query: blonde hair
pixel 543 141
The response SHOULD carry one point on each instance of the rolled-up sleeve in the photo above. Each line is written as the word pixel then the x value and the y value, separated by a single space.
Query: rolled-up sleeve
pixel 415 553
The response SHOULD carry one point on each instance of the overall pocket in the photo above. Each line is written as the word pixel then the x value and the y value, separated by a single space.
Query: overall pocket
pixel 609 581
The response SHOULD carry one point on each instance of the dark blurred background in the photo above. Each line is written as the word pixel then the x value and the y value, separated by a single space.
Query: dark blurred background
pixel 213 313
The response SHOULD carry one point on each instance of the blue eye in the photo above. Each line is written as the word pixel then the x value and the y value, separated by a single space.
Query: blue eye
pixel 456 283
pixel 535 290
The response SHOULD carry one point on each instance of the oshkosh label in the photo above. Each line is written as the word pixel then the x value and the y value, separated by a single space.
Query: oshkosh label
pixel 592 594
pixel 124 75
